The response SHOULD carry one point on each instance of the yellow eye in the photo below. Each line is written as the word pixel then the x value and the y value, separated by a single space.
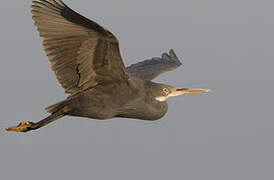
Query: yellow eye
pixel 165 90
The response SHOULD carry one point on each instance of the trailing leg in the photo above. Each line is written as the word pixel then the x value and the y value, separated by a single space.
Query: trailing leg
pixel 28 126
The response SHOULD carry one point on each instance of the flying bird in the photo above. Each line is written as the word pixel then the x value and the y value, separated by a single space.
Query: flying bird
pixel 86 60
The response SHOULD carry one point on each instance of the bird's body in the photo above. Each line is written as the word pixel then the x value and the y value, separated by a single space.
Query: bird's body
pixel 87 63
pixel 105 102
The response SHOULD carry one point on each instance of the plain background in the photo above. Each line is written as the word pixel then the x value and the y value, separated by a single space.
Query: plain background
pixel 228 134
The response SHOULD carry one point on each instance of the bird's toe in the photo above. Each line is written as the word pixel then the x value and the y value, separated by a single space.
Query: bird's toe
pixel 24 126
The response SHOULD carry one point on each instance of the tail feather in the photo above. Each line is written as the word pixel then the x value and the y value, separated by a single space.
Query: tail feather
pixel 56 107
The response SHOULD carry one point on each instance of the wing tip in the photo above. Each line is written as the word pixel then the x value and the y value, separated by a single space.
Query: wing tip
pixel 55 3
pixel 171 55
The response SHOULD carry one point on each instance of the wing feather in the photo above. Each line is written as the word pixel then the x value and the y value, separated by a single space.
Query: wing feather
pixel 150 69
pixel 79 49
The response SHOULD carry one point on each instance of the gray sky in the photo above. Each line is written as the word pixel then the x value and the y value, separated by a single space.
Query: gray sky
pixel 228 134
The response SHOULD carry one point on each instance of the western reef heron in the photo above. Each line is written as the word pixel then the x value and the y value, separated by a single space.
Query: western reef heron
pixel 87 63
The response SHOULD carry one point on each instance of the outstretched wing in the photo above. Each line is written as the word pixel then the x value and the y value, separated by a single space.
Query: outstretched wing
pixel 149 69
pixel 82 53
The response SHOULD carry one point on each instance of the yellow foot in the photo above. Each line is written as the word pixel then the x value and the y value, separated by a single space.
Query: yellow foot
pixel 24 126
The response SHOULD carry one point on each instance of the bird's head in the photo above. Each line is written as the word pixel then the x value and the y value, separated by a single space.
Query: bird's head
pixel 161 91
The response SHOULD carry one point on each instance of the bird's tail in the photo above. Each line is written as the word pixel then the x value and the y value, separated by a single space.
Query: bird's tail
pixel 56 107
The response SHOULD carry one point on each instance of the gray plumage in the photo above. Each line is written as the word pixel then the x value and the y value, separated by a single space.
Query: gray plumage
pixel 149 69
pixel 86 60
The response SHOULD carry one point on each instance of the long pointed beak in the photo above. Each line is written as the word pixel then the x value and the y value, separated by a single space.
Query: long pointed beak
pixel 188 91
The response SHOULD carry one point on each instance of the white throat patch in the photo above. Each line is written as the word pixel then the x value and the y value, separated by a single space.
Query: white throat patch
pixel 161 98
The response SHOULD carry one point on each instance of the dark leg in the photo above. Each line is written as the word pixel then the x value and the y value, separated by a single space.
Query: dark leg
pixel 28 126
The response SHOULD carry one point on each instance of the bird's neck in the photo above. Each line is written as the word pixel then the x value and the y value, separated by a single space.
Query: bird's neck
pixel 142 104
pixel 145 111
